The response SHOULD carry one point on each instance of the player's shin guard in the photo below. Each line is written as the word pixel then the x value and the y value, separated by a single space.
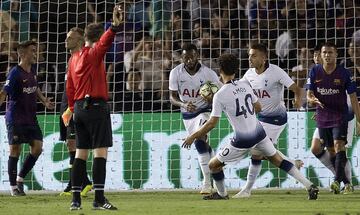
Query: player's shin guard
pixel 253 172
pixel 29 163
pixel 99 175
pixel 78 172
pixel 326 159
pixel 294 172
pixel 219 182
pixel 204 157
pixel 12 170
pixel 340 163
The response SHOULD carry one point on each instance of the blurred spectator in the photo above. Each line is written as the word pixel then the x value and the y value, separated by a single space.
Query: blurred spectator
pixel 161 16
pixel 200 11
pixel 301 21
pixel 353 61
pixel 124 41
pixel 139 13
pixel 133 100
pixel 266 20
pixel 347 21
pixel 299 72
pixel 45 72
pixel 152 60
pixel 8 55
pixel 180 29
pixel 25 15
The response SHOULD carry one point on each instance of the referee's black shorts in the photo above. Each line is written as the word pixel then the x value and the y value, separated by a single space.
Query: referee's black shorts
pixel 66 133
pixel 92 124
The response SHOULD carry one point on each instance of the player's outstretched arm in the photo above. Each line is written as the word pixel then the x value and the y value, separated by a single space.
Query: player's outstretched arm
pixel 297 94
pixel 44 100
pixel 3 95
pixel 208 126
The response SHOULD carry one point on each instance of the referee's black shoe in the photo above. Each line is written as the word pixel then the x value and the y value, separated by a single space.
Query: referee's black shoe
pixel 106 205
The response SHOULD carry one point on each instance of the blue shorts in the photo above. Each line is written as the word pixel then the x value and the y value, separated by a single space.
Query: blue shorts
pixel 328 135
pixel 18 134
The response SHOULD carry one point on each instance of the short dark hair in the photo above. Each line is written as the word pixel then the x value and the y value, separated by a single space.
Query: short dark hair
pixel 229 64
pixel 317 48
pixel 93 32
pixel 23 45
pixel 260 47
pixel 189 47
pixel 78 30
pixel 329 44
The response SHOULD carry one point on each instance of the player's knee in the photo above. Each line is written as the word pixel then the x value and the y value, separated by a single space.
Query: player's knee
pixel 15 150
pixel 36 152
pixel 14 153
pixel 201 146
pixel 71 144
pixel 215 165
pixel 257 157
pixel 316 146
pixel 339 145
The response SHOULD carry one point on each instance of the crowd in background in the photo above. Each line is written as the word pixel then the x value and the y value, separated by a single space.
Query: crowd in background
pixel 148 47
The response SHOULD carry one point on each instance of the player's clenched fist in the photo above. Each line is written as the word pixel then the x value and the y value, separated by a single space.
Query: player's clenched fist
pixel 118 14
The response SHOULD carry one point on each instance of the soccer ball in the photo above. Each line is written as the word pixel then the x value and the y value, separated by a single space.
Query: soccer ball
pixel 208 89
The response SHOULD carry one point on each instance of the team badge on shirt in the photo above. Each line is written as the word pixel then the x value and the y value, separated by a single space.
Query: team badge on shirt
pixel 337 81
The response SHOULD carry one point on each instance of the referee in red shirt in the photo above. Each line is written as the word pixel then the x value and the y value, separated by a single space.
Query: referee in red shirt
pixel 87 93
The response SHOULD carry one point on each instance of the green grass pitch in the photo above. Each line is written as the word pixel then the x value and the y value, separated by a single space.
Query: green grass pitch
pixel 262 202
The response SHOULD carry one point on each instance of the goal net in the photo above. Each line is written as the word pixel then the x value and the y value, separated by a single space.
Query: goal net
pixel 147 130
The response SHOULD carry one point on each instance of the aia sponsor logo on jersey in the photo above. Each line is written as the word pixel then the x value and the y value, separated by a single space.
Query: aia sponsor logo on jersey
pixel 191 93
pixel 261 93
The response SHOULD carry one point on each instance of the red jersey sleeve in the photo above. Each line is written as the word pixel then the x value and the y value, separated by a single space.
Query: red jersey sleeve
pixel 102 46
pixel 70 88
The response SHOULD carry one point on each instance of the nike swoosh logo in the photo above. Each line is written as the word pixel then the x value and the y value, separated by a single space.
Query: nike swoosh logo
pixel 317 81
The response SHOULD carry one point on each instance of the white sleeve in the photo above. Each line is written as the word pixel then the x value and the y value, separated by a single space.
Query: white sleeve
pixel 216 107
pixel 173 82
pixel 284 78
pixel 245 77
pixel 216 79
pixel 128 57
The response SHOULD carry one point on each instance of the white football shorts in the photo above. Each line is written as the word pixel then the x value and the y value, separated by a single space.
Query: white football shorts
pixel 229 153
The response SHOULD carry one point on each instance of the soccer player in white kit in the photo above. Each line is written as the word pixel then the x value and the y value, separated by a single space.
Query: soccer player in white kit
pixel 268 81
pixel 184 85
pixel 239 103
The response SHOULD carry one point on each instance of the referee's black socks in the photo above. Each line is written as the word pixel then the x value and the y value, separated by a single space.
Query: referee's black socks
pixel 99 174
pixel 78 173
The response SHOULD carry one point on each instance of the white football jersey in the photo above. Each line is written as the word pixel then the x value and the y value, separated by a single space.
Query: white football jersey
pixel 188 86
pixel 269 88
pixel 236 100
